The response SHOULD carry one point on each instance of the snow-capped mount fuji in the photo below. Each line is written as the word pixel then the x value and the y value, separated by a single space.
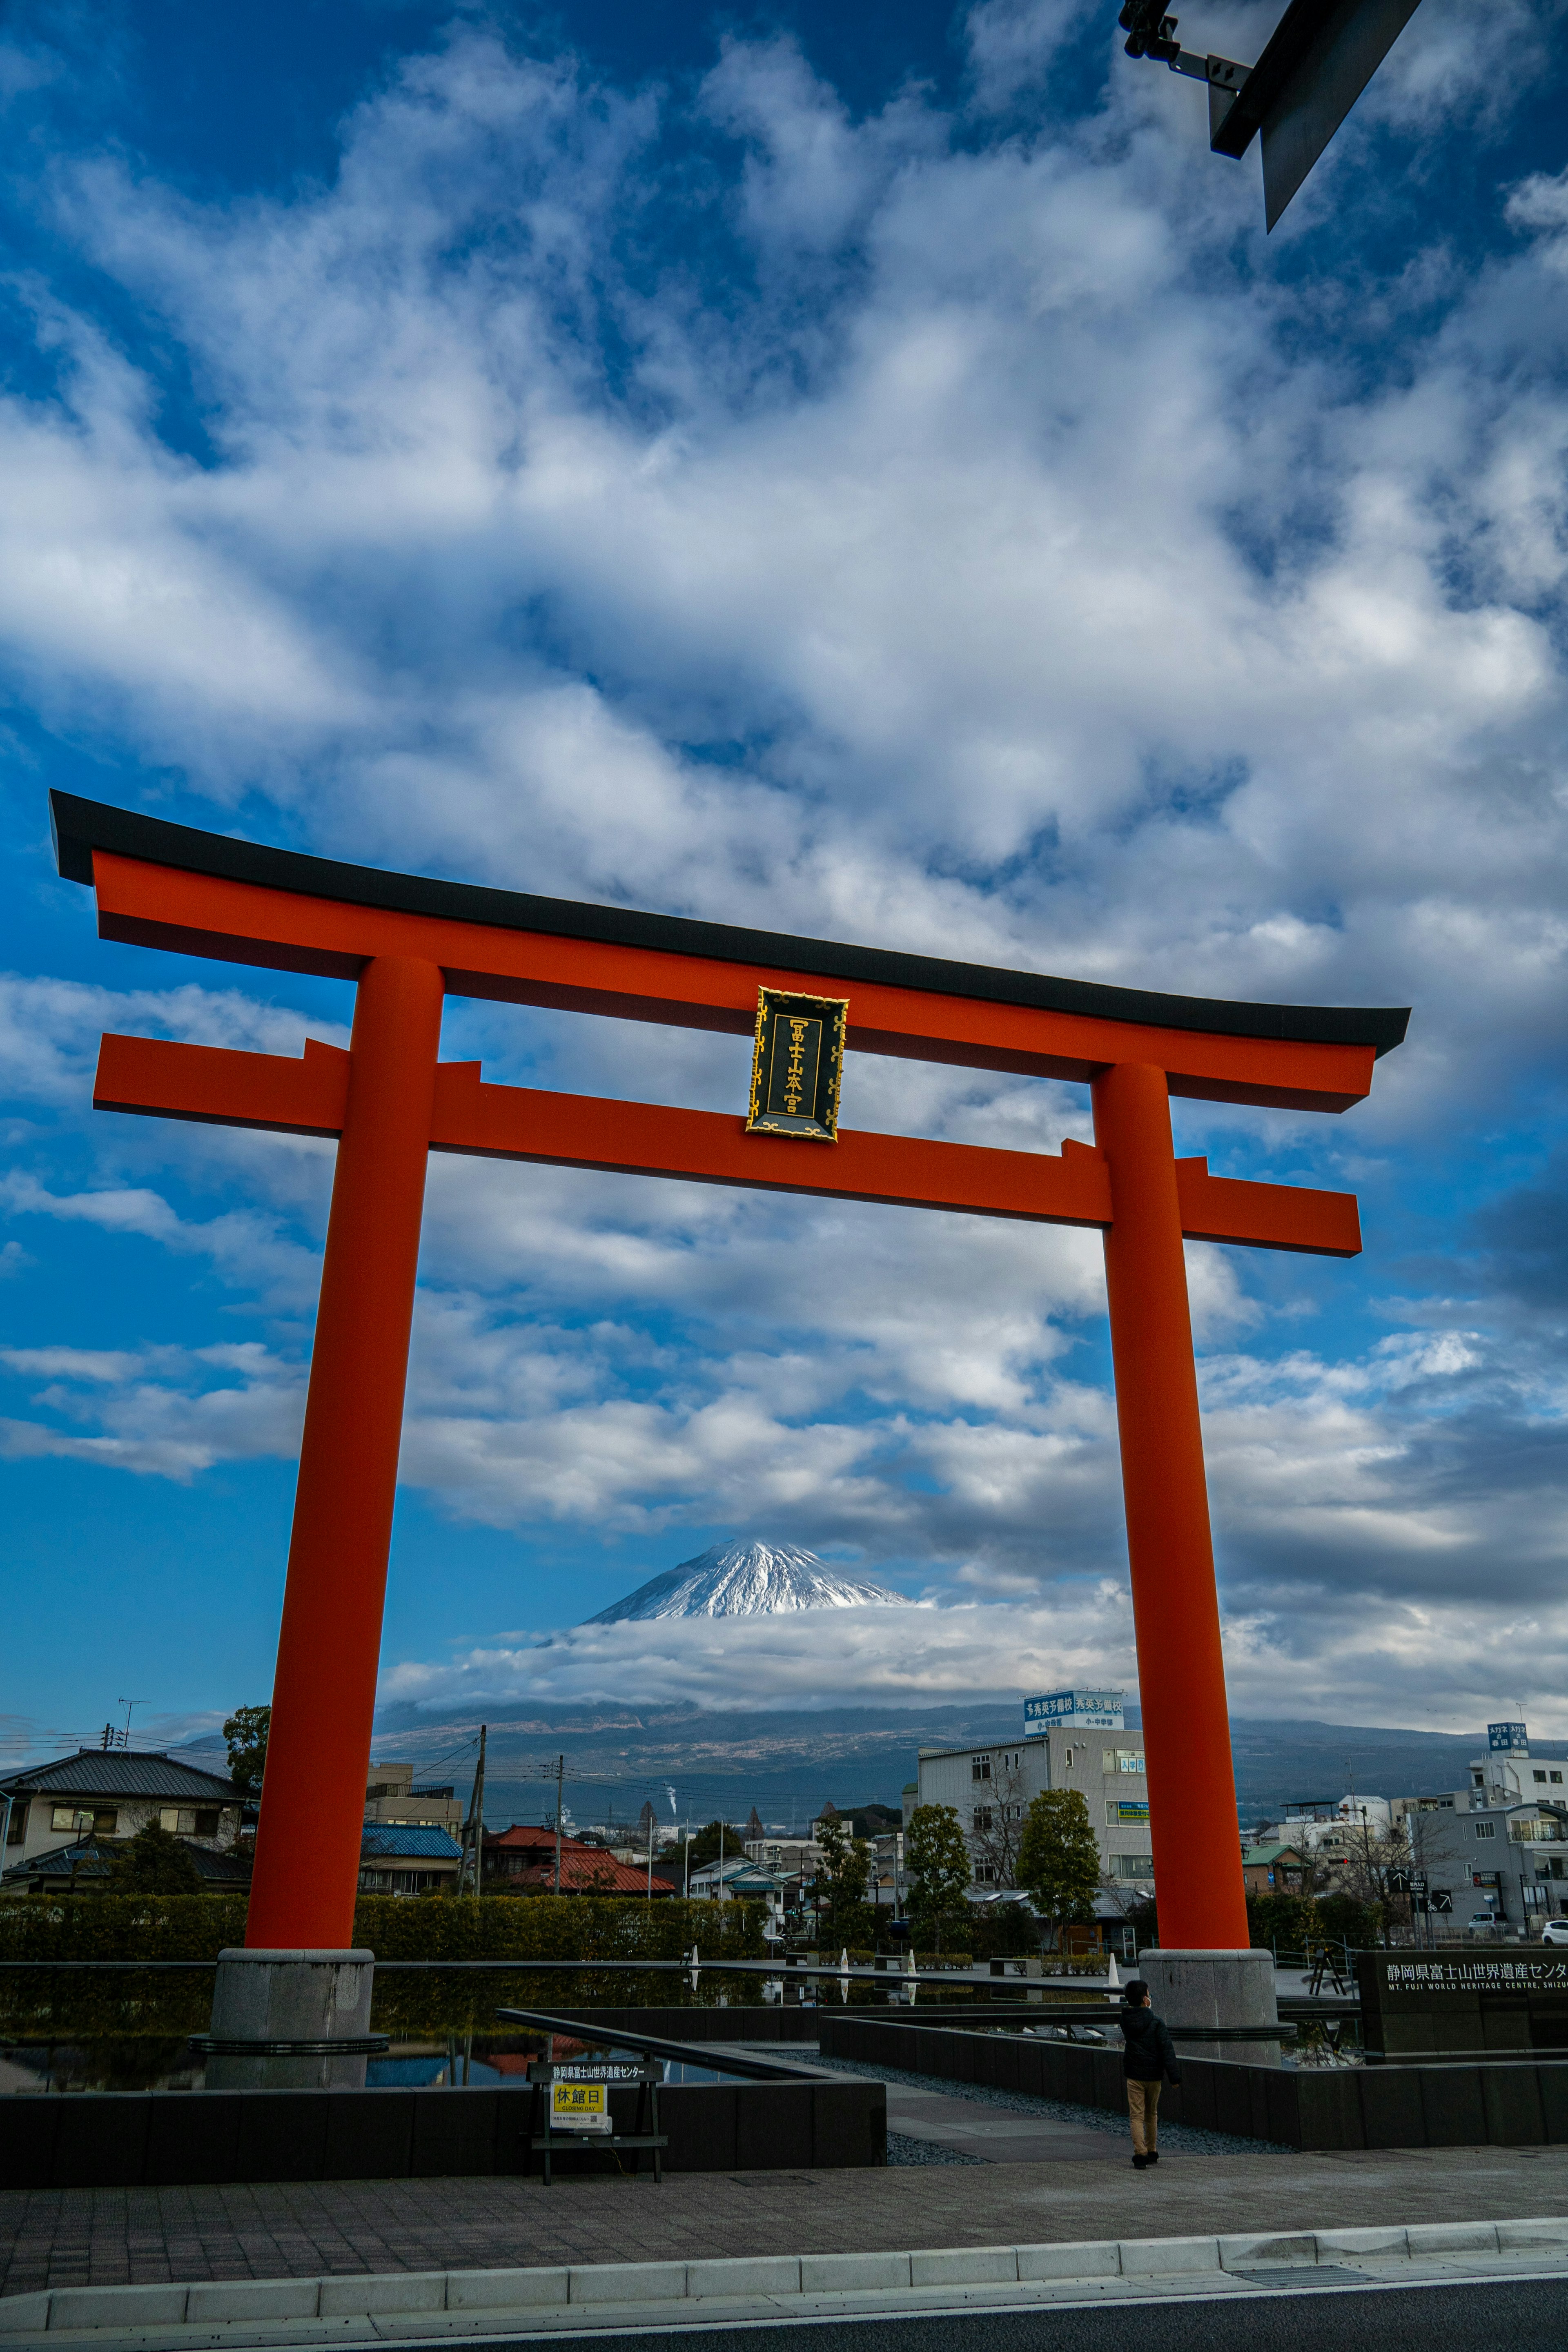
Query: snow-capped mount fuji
pixel 747 1579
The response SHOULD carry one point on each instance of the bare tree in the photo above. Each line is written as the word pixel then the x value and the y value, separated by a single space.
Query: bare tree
pixel 1375 1854
pixel 997 1825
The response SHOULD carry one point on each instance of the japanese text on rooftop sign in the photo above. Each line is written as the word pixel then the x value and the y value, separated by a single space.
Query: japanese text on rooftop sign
pixel 1099 1710
pixel 1509 1736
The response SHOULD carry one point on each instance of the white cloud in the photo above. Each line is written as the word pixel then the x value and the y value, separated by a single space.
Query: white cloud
pixel 1442 1665
pixel 983 563
pixel 160 1413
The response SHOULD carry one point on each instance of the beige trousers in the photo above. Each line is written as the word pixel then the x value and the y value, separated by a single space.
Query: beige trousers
pixel 1144 2107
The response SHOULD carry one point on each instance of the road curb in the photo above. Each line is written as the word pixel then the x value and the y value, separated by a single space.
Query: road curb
pixel 498 2295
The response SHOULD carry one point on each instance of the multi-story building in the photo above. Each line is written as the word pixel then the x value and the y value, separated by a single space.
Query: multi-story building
pixel 1499 1846
pixel 390 1796
pixel 1077 1744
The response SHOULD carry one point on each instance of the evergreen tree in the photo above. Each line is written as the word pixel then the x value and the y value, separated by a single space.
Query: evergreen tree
pixel 1058 1859
pixel 846 1919
pixel 705 1844
pixel 245 1734
pixel 153 1863
pixel 936 1857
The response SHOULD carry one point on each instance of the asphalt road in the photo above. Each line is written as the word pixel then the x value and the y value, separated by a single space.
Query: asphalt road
pixel 1504 2316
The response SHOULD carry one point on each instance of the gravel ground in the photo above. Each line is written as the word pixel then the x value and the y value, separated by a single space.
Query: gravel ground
pixel 901 2149
pixel 1186 2136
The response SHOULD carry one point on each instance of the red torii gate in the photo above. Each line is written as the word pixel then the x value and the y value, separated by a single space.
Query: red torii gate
pixel 406 942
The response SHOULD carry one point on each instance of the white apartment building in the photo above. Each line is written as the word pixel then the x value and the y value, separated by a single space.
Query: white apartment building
pixel 991 1789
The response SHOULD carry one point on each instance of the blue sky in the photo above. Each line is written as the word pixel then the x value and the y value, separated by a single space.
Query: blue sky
pixel 864 473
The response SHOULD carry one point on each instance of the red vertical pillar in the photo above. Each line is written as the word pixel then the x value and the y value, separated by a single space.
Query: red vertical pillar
pixel 318 1754
pixel 1175 1608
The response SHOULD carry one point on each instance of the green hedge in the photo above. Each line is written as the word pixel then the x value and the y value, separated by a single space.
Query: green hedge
pixel 120 1926
pixel 38 2006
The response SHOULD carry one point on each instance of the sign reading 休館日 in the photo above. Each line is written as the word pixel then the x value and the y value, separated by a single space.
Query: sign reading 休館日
pixel 577 2105
pixel 1097 1710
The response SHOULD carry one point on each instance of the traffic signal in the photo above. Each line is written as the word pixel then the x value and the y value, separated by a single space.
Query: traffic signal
pixel 1314 67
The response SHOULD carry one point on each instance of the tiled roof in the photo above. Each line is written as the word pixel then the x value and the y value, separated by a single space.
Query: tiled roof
pixel 1258 1855
pixel 591 1870
pixel 94 1860
pixel 396 1838
pixel 528 1834
pixel 116 1772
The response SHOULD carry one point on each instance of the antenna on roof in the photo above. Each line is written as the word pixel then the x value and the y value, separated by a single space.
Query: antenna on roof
pixel 1315 65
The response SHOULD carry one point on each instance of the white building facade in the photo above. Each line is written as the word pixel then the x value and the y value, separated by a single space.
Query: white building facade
pixel 1083 1747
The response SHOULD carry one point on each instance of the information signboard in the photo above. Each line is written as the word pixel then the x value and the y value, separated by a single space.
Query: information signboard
pixel 579 2107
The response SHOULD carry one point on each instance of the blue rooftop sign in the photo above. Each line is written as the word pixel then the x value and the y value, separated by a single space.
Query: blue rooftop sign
pixel 1511 1737
pixel 1091 1710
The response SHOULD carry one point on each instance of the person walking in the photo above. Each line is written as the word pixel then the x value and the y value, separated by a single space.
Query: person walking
pixel 1148 2059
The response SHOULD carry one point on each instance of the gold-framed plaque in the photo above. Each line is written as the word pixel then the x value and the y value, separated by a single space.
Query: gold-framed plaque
pixel 797 1066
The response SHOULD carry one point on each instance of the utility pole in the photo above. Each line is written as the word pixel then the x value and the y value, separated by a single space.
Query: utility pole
pixel 477 1816
pixel 720 1857
pixel 560 1801
pixel 650 1856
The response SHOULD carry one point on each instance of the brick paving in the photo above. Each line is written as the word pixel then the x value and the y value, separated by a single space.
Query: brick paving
pixel 99 2237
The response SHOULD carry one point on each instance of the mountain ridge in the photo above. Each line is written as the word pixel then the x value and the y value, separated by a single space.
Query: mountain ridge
pixel 788 1761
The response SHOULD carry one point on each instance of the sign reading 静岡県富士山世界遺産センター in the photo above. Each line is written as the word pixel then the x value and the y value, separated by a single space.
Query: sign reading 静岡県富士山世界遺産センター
pixel 1476 1976
pixel 797 1066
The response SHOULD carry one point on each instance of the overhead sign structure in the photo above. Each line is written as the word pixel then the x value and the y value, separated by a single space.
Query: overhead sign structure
pixel 1090 1710
pixel 1314 67
pixel 407 942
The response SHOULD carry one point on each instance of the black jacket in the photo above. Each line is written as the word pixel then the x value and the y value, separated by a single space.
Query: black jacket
pixel 1149 2051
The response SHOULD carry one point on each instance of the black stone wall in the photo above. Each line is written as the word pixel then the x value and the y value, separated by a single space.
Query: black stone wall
pixel 126 2140
pixel 1501 2102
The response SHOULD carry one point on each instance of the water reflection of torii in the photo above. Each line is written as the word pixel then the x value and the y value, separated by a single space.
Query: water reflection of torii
pixel 407 942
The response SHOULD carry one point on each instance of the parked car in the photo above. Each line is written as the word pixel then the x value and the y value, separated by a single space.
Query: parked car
pixel 1481 1923
pixel 1555 1932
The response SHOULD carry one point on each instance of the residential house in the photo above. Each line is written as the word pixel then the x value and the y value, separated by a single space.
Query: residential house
pixel 407 1858
pixel 523 1856
pixel 107 1794
pixel 87 1867
pixel 1272 1869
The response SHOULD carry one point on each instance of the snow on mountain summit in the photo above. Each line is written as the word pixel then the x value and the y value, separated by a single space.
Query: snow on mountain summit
pixel 746 1580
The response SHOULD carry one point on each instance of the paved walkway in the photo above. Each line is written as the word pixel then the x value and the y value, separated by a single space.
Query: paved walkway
pixel 995 2136
pixel 294 2229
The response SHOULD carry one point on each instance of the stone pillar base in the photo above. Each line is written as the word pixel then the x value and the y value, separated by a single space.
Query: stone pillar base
pixel 291 1997
pixel 1229 1988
